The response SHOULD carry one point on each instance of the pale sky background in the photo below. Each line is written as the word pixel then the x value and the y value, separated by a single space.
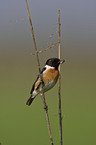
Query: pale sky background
pixel 78 26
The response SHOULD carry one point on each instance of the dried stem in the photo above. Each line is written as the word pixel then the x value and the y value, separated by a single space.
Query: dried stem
pixel 59 84
pixel 38 63
pixel 46 48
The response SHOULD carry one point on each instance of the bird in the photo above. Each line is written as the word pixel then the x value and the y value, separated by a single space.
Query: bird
pixel 49 74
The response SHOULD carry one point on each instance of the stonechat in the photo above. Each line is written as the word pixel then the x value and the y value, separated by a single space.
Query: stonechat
pixel 49 74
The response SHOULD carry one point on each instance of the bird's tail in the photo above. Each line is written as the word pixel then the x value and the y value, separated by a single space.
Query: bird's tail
pixel 30 100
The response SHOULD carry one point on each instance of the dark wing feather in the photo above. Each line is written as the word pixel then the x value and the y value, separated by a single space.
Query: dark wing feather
pixel 33 87
pixel 43 70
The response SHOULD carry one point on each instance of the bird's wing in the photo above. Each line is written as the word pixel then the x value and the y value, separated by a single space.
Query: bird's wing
pixel 37 82
pixel 33 86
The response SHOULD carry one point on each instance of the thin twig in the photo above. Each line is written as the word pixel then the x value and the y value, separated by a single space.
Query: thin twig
pixel 52 34
pixel 38 63
pixel 59 84
pixel 46 48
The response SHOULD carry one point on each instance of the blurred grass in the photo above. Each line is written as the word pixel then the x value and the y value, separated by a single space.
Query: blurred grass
pixel 20 124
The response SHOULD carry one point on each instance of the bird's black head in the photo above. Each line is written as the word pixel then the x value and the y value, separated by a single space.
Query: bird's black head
pixel 54 62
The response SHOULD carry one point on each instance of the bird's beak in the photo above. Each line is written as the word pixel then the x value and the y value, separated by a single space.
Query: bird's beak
pixel 62 61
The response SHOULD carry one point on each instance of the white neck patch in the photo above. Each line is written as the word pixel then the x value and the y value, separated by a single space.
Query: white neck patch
pixel 48 67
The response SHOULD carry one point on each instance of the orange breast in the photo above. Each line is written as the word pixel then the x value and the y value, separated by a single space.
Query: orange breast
pixel 50 75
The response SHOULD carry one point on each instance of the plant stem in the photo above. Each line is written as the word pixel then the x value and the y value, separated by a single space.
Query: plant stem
pixel 59 84
pixel 38 63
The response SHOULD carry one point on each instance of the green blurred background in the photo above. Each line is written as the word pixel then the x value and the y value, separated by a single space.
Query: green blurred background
pixel 20 124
